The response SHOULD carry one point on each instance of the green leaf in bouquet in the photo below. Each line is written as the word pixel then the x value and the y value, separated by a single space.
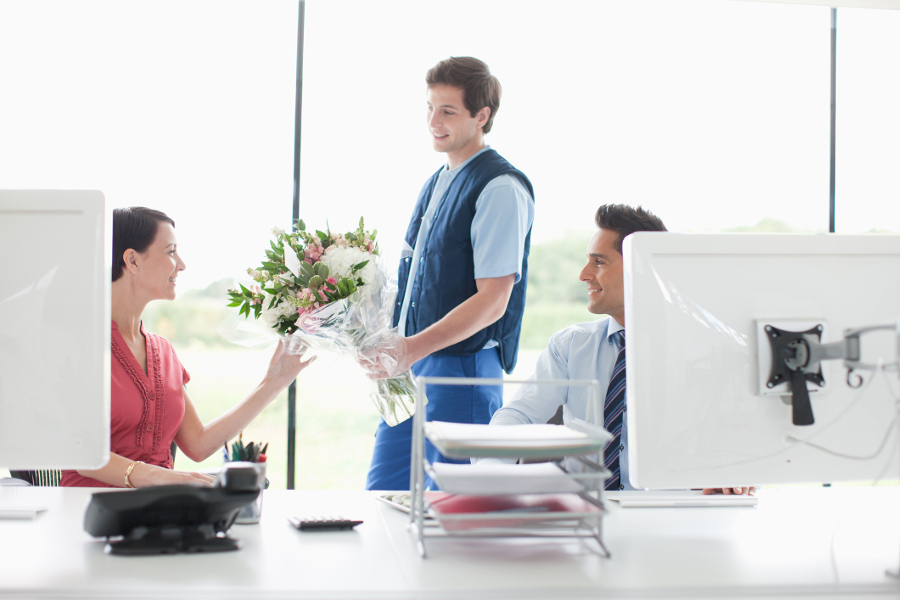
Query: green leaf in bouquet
pixel 303 280
pixel 272 302
pixel 315 281
pixel 257 309
pixel 351 236
pixel 358 266
pixel 330 286
pixel 245 309
pixel 352 286
pixel 306 269
pixel 300 225
pixel 323 237
pixel 235 303
pixel 343 287
pixel 245 290
pixel 321 270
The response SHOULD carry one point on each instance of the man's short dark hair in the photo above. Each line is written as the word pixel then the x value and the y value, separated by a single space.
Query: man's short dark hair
pixel 134 228
pixel 625 220
pixel 474 78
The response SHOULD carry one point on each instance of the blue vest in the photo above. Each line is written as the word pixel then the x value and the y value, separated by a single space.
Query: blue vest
pixel 446 274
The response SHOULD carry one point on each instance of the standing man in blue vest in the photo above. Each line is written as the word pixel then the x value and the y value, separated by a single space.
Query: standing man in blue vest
pixel 462 294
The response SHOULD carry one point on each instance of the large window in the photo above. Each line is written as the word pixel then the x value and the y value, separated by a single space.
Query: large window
pixel 187 107
pixel 868 122
pixel 713 114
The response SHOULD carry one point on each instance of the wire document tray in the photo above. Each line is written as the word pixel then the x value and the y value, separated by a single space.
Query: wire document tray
pixel 560 498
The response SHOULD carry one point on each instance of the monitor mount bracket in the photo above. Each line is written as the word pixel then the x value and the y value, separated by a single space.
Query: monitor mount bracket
pixel 791 361
pixel 797 358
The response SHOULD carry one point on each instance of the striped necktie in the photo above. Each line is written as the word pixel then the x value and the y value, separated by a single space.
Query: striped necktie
pixel 613 414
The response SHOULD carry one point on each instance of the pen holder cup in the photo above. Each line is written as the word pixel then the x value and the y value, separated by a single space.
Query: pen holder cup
pixel 251 513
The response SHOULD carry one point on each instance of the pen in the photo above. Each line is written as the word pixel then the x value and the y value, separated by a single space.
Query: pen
pixel 252 452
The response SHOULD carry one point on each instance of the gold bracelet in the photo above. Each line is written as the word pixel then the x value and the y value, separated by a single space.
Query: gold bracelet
pixel 128 473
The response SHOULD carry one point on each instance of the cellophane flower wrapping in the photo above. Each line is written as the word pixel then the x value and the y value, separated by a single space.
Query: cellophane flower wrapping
pixel 333 293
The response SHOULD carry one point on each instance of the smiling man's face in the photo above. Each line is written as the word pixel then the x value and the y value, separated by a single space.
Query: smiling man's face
pixel 603 276
pixel 453 129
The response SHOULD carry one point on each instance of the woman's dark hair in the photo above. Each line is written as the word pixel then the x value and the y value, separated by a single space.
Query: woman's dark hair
pixel 625 220
pixel 134 228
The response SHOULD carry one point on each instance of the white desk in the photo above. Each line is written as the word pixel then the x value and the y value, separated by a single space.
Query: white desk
pixel 782 548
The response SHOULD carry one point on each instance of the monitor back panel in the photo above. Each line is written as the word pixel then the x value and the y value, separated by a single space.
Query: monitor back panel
pixel 696 414
pixel 54 329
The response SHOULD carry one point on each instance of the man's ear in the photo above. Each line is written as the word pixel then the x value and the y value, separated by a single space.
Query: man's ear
pixel 482 116
pixel 132 260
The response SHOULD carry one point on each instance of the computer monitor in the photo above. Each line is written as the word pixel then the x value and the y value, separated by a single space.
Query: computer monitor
pixel 55 250
pixel 700 409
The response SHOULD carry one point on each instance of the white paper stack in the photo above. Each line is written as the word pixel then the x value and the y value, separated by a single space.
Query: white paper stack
pixel 499 479
pixel 463 440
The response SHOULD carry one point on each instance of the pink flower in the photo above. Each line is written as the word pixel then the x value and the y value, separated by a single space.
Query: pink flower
pixel 313 252
pixel 331 280
pixel 370 246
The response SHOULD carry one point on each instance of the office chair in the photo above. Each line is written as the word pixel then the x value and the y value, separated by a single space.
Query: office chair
pixel 42 478
pixel 51 477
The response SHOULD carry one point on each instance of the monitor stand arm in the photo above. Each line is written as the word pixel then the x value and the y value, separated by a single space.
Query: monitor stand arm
pixel 797 354
pixel 797 358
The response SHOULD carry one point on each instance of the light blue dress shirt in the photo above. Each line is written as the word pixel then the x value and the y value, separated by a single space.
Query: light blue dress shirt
pixel 504 212
pixel 582 351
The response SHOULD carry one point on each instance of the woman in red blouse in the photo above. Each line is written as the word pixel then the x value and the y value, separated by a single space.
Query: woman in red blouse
pixel 150 405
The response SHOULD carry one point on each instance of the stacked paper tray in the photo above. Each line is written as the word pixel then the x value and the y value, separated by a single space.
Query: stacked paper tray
pixel 463 440
pixel 463 512
pixel 491 479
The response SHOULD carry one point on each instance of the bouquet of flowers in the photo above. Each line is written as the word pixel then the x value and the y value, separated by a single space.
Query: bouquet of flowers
pixel 331 292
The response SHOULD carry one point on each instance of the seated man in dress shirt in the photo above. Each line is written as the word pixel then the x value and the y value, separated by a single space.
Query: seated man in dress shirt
pixel 590 350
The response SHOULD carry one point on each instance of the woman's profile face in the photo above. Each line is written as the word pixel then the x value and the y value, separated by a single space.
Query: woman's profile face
pixel 160 264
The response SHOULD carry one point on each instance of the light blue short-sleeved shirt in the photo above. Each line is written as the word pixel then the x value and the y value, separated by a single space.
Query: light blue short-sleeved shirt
pixel 504 213
pixel 582 351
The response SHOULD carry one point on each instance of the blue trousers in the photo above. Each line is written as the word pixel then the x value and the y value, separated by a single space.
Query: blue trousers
pixel 456 403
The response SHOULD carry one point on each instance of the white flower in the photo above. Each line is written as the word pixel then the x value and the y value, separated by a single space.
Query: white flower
pixel 277 231
pixel 271 316
pixel 340 260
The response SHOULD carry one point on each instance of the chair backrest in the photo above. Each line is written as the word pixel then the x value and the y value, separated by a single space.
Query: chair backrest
pixel 42 478
pixel 47 478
